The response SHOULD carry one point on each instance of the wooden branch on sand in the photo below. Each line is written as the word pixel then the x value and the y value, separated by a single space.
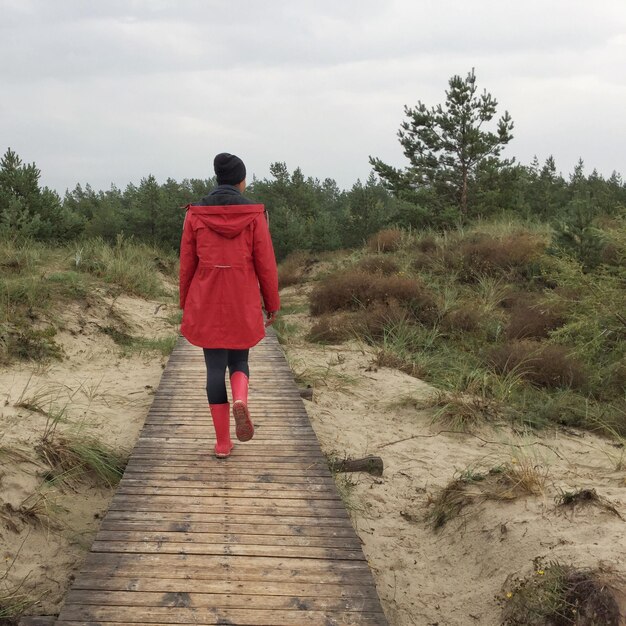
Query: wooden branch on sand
pixel 306 393
pixel 370 464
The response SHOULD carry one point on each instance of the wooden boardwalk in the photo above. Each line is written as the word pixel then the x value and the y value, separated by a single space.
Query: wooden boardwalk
pixel 261 538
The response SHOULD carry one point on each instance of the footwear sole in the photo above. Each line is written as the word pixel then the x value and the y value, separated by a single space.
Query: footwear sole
pixel 244 428
pixel 223 455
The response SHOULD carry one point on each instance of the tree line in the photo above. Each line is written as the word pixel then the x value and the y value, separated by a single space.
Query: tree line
pixel 455 174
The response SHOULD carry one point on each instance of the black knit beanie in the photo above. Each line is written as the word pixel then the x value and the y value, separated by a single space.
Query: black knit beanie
pixel 229 169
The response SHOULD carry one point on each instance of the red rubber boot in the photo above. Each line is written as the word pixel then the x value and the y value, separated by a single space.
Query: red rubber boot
pixel 243 425
pixel 221 421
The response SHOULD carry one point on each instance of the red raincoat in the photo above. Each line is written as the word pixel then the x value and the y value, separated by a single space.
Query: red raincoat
pixel 226 263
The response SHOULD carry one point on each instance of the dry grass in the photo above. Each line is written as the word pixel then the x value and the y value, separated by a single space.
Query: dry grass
pixel 39 509
pixel 515 479
pixel 464 412
pixel 562 595
pixel 388 240
pixel 585 497
pixel 544 365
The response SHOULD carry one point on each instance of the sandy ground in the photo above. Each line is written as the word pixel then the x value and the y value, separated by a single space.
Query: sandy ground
pixel 458 575
pixel 46 527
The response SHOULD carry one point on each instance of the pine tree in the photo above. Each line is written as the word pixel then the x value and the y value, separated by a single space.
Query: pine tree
pixel 446 144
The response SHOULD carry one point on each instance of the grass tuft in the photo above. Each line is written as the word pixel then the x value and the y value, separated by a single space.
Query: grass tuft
pixel 515 479
pixel 585 497
pixel 133 266
pixel 78 458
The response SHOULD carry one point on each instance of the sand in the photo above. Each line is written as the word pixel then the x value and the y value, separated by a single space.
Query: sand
pixel 47 527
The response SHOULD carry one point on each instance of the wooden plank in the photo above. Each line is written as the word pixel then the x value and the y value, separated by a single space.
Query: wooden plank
pixel 221 517
pixel 88 615
pixel 209 481
pixel 230 476
pixel 199 600
pixel 260 587
pixel 232 528
pixel 231 549
pixel 223 538
pixel 213 492
pixel 202 567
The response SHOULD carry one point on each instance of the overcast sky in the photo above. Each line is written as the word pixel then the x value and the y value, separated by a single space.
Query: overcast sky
pixel 111 91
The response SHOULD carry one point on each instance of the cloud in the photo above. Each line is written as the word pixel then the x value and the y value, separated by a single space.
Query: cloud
pixel 111 91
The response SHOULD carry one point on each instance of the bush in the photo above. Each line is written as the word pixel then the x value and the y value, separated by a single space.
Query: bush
pixel 466 319
pixel 374 320
pixel 388 240
pixel 354 289
pixel 533 320
pixel 292 269
pixel 378 265
pixel 562 595
pixel 513 254
pixel 332 329
pixel 545 365
pixel 421 261
pixel 427 244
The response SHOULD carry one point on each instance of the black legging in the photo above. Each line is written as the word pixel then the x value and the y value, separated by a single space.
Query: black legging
pixel 216 360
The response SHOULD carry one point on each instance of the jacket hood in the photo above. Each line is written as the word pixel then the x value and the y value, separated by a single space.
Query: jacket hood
pixel 227 220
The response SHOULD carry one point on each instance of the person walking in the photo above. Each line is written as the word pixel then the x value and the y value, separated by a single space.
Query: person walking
pixel 227 264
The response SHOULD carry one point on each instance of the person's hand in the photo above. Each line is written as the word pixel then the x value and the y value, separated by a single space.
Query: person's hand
pixel 271 318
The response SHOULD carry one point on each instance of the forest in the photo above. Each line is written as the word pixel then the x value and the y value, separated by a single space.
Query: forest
pixel 309 214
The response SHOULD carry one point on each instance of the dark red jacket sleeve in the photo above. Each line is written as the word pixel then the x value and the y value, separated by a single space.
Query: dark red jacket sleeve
pixel 265 264
pixel 188 260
